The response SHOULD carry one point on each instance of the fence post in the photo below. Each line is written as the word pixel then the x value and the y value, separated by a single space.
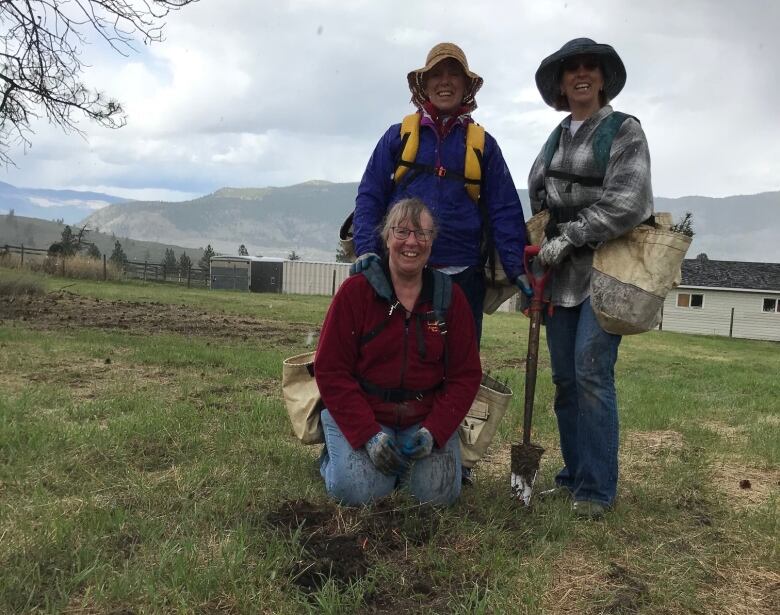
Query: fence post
pixel 144 271
pixel 105 272
pixel 63 266
pixel 164 272
pixel 22 262
pixel 731 324
pixel 189 272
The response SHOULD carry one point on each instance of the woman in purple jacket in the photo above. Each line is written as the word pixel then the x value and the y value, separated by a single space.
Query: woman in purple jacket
pixel 443 91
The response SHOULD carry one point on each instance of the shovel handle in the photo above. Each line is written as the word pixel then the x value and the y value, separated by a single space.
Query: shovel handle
pixel 538 284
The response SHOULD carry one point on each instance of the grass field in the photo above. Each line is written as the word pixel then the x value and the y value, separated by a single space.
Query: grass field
pixel 147 466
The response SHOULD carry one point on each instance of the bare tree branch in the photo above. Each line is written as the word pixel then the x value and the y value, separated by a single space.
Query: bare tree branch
pixel 41 66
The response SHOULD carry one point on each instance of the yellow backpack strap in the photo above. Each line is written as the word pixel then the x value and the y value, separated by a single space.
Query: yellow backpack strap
pixel 410 142
pixel 472 170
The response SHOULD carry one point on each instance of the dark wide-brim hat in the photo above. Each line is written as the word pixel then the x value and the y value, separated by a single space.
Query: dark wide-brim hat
pixel 548 75
pixel 442 51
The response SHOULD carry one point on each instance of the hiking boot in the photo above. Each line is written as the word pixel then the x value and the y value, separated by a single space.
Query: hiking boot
pixel 466 476
pixel 585 509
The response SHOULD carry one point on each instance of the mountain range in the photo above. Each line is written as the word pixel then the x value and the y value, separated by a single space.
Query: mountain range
pixel 305 218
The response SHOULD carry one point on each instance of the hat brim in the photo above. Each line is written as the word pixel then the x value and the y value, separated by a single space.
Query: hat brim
pixel 549 72
pixel 416 80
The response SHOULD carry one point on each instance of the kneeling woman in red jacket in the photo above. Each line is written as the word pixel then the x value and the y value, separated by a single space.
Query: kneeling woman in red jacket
pixel 396 375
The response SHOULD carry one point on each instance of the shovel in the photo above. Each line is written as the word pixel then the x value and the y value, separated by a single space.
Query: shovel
pixel 526 456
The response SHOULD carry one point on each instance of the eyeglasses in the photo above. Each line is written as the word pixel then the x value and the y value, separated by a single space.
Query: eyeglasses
pixel 587 62
pixel 422 235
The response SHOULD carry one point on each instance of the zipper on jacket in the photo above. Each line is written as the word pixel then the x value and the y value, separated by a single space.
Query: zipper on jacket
pixel 403 367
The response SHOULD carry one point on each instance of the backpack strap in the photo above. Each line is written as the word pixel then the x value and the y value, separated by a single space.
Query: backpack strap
pixel 472 169
pixel 410 143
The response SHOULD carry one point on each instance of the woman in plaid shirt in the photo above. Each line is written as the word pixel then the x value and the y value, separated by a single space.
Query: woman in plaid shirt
pixel 591 200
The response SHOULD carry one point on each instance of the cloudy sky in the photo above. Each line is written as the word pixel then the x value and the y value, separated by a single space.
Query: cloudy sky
pixel 276 92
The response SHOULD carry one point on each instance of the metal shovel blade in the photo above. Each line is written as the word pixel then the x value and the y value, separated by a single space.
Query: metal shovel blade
pixel 525 467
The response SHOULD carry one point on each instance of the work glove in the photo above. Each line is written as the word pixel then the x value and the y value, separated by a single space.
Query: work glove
pixel 385 455
pixel 363 262
pixel 524 285
pixel 554 250
pixel 419 445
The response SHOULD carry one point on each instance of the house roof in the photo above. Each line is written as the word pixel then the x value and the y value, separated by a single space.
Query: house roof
pixel 731 274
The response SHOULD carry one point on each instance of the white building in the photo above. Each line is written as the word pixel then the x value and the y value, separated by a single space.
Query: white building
pixel 729 298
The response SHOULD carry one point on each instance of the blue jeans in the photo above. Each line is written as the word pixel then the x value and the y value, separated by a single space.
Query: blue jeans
pixel 352 479
pixel 583 358
pixel 472 283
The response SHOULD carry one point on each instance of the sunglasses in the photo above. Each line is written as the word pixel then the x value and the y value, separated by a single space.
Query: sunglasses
pixel 586 62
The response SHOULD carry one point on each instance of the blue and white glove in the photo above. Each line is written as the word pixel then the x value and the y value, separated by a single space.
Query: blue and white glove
pixel 554 250
pixel 385 455
pixel 363 262
pixel 419 445
pixel 524 285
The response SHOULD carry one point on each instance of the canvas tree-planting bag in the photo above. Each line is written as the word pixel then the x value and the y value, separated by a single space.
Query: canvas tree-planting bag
pixel 302 398
pixel 632 274
pixel 479 427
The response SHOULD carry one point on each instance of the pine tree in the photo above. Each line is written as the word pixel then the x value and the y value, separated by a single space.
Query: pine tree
pixel 293 256
pixel 93 252
pixel 68 242
pixel 185 263
pixel 170 265
pixel 242 251
pixel 118 256
pixel 205 261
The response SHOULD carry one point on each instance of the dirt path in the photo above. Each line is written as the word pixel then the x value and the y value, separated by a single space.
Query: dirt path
pixel 65 310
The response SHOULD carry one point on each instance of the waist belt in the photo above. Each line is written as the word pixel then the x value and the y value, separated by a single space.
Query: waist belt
pixel 395 396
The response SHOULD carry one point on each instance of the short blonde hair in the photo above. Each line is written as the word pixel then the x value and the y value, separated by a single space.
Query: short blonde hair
pixel 406 209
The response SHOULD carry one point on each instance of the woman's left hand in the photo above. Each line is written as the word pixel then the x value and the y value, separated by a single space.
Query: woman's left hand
pixel 419 445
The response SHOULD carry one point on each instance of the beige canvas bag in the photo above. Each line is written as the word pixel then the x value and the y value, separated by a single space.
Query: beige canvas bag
pixel 479 427
pixel 302 398
pixel 304 404
pixel 632 274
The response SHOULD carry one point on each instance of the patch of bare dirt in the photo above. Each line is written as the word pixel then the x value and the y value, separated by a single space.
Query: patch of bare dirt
pixel 65 310
pixel 344 544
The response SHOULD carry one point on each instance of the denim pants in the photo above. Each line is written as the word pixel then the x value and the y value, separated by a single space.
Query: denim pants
pixel 583 358
pixel 472 283
pixel 352 479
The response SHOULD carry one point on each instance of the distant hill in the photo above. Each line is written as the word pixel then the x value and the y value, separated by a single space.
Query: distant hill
pixel 70 206
pixel 306 218
pixel 35 233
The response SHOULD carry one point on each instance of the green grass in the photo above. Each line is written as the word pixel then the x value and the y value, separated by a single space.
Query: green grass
pixel 137 473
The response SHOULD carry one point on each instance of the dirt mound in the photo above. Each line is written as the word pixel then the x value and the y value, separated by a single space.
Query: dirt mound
pixel 343 544
pixel 63 309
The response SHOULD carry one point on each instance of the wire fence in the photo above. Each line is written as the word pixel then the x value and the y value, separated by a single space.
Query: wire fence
pixel 103 268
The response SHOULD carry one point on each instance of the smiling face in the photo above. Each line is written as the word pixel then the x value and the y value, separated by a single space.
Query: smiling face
pixel 445 85
pixel 581 82
pixel 408 256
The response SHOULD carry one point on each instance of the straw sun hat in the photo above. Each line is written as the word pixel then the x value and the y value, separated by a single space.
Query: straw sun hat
pixel 548 75
pixel 442 51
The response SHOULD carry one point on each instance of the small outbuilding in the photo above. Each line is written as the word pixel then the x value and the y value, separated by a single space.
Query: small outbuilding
pixel 248 273
pixel 729 298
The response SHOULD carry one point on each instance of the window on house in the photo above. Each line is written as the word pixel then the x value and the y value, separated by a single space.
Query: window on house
pixel 690 300
pixel 771 305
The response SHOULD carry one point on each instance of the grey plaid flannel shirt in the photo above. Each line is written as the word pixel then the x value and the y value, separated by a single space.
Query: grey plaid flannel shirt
pixel 624 201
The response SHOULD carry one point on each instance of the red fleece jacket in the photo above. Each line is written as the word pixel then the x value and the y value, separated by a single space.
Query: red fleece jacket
pixel 392 359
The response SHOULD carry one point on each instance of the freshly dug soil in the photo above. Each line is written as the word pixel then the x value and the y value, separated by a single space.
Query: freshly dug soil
pixel 525 460
pixel 343 544
pixel 65 310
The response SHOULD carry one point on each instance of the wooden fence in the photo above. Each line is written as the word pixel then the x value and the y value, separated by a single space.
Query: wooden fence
pixel 138 270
